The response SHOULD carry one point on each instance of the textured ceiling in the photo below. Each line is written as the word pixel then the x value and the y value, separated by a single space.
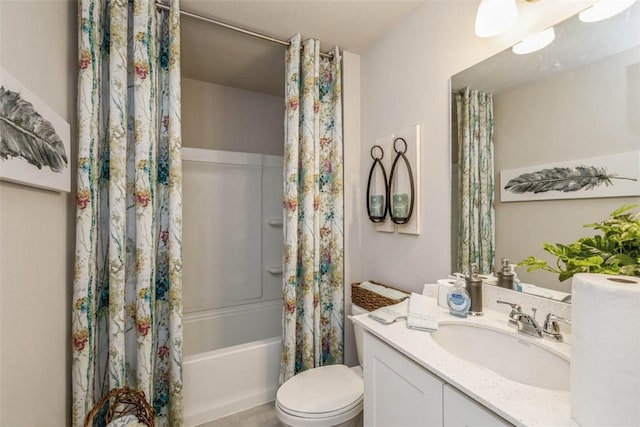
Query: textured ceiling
pixel 221 56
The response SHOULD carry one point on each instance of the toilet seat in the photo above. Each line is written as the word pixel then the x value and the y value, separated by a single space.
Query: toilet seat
pixel 327 395
pixel 321 415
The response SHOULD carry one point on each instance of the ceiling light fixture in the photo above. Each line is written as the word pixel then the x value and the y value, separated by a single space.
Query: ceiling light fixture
pixel 604 9
pixel 495 17
pixel 534 42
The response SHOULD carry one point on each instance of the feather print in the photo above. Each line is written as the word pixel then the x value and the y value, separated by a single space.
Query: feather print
pixel 25 133
pixel 562 179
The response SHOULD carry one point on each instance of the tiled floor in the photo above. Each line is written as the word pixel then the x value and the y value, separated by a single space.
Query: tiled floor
pixel 260 416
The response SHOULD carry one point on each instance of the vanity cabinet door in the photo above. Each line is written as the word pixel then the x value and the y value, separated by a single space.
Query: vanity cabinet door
pixel 398 392
pixel 461 411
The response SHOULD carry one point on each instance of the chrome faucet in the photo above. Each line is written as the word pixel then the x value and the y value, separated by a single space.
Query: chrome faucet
pixel 525 323
pixel 551 329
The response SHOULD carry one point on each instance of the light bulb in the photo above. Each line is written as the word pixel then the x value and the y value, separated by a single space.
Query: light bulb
pixel 495 17
pixel 604 9
pixel 534 42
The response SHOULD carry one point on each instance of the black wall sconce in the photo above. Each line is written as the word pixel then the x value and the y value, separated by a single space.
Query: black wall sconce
pixel 400 205
pixel 377 204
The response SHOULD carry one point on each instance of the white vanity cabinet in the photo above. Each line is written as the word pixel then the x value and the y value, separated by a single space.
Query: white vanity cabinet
pixel 400 393
pixel 397 391
pixel 462 411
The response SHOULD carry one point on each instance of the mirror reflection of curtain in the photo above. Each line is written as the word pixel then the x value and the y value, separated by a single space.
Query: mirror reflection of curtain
pixel 475 180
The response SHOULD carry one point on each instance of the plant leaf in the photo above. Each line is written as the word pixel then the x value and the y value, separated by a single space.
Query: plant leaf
pixel 596 245
pixel 594 261
pixel 622 210
pixel 558 250
pixel 617 251
pixel 620 260
pixel 25 133
pixel 561 179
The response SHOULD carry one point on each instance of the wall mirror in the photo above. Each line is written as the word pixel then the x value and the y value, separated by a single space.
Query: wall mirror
pixel 577 98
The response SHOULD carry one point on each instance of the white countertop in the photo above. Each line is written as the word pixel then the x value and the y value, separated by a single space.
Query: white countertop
pixel 518 403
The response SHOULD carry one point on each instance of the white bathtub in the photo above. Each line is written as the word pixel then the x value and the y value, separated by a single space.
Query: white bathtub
pixel 220 328
pixel 223 373
pixel 222 382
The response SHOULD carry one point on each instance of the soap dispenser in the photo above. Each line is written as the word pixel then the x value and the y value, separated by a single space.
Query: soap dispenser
pixel 458 298
pixel 505 276
pixel 474 287
pixel 516 281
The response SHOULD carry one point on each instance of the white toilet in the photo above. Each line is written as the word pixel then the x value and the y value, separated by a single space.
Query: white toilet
pixel 324 396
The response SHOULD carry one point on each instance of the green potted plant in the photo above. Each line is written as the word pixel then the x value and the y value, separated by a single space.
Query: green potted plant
pixel 615 251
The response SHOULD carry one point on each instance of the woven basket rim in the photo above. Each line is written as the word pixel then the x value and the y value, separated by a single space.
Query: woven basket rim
pixel 378 283
pixel 370 300
pixel 134 402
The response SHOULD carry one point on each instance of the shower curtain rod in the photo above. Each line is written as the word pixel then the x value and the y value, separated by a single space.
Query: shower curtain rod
pixel 233 27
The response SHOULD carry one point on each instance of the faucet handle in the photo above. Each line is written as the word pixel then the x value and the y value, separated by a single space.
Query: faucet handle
pixel 514 306
pixel 553 319
pixel 560 318
pixel 515 310
pixel 551 328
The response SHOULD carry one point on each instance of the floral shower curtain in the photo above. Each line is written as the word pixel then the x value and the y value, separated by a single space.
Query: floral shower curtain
pixel 476 182
pixel 127 307
pixel 313 283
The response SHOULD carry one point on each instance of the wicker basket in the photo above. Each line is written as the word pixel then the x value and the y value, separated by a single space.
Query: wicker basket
pixel 370 300
pixel 123 401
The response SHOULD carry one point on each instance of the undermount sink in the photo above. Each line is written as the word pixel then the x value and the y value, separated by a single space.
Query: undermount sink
pixel 506 354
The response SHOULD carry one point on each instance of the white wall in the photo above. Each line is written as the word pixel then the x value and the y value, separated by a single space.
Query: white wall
pixel 405 81
pixel 38 47
pixel 353 196
pixel 587 112
pixel 224 118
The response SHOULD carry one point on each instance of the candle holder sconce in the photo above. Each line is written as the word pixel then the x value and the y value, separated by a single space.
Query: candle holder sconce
pixel 400 205
pixel 377 204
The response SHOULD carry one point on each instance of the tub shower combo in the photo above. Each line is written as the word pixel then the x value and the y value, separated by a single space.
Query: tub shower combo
pixel 232 244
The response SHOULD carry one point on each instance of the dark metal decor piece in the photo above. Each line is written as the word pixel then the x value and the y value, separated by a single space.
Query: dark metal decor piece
pixel 397 219
pixel 376 161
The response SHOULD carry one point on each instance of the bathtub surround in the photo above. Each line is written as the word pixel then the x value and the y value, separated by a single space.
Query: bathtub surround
pixel 127 307
pixel 313 276
pixel 232 248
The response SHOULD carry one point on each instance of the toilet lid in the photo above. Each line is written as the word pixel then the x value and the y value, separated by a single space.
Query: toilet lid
pixel 321 390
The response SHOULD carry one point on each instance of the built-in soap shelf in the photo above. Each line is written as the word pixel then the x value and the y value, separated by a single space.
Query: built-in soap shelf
pixel 274 269
pixel 275 222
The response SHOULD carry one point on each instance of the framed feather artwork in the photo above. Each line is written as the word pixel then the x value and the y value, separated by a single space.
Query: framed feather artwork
pixel 34 140
pixel 616 175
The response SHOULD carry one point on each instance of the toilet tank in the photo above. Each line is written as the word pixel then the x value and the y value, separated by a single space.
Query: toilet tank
pixel 358 331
